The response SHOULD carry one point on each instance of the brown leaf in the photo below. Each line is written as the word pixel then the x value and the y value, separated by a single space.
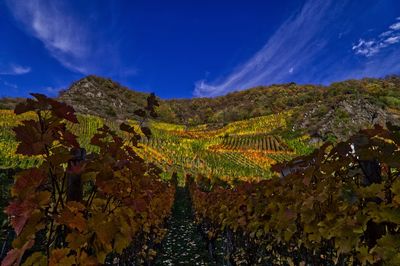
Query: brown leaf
pixel 139 205
pixel 62 110
pixel 28 181
pixel 30 138
pixel 27 106
pixel 127 128
pixel 72 216
pixel 70 139
pixel 146 131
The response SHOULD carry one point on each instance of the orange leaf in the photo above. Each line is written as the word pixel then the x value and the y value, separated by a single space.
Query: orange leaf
pixel 28 181
pixel 60 257
pixel 72 216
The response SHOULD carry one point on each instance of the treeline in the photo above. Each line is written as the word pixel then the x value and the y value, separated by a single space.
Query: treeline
pixel 338 206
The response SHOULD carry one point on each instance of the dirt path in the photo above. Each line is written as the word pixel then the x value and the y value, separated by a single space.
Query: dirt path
pixel 183 244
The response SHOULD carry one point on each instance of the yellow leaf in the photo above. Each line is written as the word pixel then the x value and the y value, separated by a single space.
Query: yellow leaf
pixel 36 259
pixel 121 242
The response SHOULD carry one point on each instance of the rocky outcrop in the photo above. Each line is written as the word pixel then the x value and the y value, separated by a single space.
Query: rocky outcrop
pixel 103 97
pixel 344 119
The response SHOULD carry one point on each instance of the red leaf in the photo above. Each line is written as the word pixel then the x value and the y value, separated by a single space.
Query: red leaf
pixel 14 256
pixel 140 205
pixel 27 181
pixel 306 181
pixel 19 212
pixel 41 98
pixel 63 110
pixel 70 139
pixel 28 105
pixel 31 140
pixel 76 168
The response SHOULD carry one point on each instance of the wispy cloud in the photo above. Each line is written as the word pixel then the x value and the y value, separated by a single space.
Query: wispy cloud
pixel 14 70
pixel 53 91
pixel 11 85
pixel 395 26
pixel 373 46
pixel 296 42
pixel 59 30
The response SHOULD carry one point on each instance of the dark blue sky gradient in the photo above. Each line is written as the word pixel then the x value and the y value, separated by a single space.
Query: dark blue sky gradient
pixel 194 48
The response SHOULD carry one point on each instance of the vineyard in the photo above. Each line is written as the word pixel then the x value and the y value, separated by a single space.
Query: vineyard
pixel 340 207
pixel 240 150
pixel 82 190
pixel 8 145
pixel 243 150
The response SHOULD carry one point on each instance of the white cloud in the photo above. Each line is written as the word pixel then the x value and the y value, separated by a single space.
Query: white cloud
pixel 15 70
pixel 386 33
pixel 19 70
pixel 291 70
pixel 393 40
pixel 367 48
pixel 61 33
pixel 285 47
pixel 373 46
pixel 395 26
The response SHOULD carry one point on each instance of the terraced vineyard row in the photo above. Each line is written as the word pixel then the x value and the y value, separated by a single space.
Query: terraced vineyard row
pixel 262 124
pixel 9 159
pixel 193 157
pixel 239 150
pixel 8 144
pixel 254 142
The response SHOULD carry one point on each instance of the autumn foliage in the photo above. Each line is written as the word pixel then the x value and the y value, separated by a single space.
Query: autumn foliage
pixel 79 209
pixel 338 206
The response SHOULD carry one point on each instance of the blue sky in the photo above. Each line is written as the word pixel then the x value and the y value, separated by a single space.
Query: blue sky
pixel 195 48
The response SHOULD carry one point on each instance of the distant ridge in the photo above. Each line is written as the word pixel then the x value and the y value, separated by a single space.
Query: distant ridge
pixel 338 109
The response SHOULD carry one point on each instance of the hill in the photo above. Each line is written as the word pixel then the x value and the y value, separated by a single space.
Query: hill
pixel 338 110
pixel 8 103
pixel 103 97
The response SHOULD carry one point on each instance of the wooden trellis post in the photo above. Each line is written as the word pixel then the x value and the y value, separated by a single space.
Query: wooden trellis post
pixel 74 179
